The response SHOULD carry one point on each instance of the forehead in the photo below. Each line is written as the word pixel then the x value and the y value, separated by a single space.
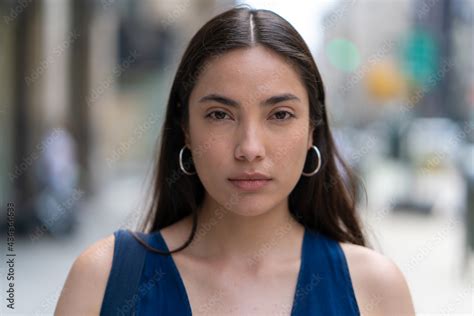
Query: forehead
pixel 254 72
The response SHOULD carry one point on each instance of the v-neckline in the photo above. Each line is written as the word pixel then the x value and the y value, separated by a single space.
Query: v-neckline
pixel 184 293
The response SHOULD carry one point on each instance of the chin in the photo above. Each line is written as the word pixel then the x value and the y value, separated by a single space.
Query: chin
pixel 249 208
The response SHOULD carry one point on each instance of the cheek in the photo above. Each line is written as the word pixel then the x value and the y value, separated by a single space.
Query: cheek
pixel 288 160
pixel 289 153
pixel 210 155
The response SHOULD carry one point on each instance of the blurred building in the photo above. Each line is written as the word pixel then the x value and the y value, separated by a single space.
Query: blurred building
pixel 412 57
pixel 69 72
pixel 361 36
pixel 447 25
pixel 399 84
pixel 462 14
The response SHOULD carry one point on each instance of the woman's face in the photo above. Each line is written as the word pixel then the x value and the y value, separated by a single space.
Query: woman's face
pixel 249 113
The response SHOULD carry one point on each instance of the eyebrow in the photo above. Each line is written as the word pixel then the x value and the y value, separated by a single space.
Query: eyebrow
pixel 268 102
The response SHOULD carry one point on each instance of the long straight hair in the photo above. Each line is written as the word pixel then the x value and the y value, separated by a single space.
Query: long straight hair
pixel 325 202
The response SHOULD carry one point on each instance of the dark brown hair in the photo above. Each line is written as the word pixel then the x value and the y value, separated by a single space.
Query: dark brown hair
pixel 325 202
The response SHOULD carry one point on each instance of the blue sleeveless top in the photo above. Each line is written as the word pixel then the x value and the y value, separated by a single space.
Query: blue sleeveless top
pixel 142 282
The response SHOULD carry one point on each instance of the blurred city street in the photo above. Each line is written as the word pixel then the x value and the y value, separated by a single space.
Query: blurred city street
pixel 84 91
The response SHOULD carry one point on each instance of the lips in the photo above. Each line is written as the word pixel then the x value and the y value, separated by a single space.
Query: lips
pixel 250 176
pixel 250 185
pixel 250 181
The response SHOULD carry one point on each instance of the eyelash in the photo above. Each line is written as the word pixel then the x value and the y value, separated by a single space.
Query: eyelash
pixel 290 115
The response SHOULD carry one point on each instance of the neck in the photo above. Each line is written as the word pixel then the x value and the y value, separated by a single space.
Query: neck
pixel 223 234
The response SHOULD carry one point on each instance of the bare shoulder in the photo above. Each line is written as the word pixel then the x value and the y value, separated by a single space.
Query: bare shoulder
pixel 85 285
pixel 379 285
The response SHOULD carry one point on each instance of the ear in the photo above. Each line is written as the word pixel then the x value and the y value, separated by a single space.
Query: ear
pixel 310 137
pixel 187 138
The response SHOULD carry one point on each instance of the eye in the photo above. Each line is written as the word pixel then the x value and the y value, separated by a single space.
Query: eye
pixel 219 115
pixel 282 115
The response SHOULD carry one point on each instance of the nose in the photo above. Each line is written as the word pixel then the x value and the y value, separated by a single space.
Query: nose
pixel 249 146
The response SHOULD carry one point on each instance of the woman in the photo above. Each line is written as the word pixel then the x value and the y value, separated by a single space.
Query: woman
pixel 250 194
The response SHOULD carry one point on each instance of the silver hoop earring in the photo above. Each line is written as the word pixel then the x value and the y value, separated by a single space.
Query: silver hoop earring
pixel 319 163
pixel 181 166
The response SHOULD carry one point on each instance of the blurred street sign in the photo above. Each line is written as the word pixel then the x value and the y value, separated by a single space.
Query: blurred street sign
pixel 343 54
pixel 420 56
pixel 384 81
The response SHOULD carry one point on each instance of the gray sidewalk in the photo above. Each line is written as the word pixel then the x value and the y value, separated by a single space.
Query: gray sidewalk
pixel 429 251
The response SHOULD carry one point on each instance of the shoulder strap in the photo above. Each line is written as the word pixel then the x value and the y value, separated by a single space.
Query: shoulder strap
pixel 124 278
